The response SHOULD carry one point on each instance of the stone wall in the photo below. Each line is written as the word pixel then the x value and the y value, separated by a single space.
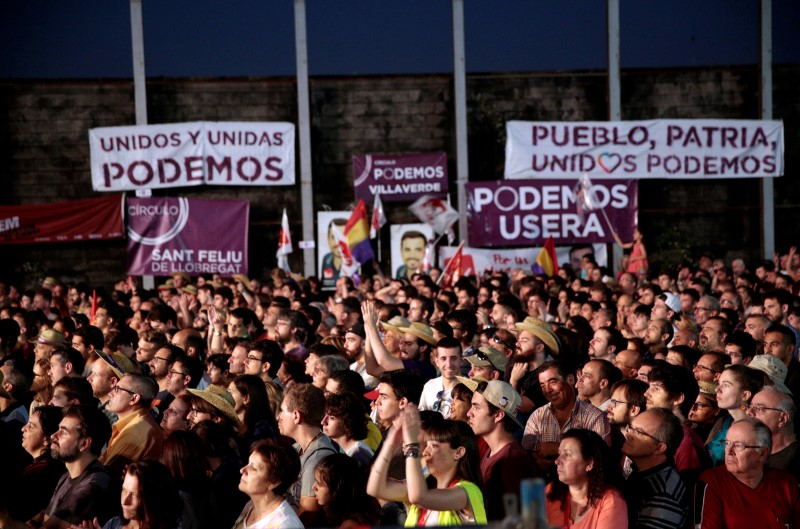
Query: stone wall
pixel 44 149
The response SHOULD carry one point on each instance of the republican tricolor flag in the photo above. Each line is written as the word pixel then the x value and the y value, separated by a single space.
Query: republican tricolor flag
pixel 547 262
pixel 356 231
pixel 284 243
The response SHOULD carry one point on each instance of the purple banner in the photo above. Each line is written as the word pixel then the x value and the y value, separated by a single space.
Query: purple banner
pixel 399 177
pixel 167 235
pixel 526 212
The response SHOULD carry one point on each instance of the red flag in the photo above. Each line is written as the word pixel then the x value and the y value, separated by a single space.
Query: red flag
pixel 452 270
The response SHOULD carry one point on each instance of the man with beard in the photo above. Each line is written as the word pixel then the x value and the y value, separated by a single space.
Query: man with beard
pixel 415 343
pixel 536 344
pixel 606 342
pixel 657 336
pixel 436 394
pixel 291 330
pixel 713 334
pixel 87 490
pixel 776 307
pixel 354 340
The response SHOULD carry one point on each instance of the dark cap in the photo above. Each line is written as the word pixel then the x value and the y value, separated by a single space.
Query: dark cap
pixel 358 329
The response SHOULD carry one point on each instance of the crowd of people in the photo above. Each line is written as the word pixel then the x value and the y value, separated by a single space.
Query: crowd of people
pixel 649 400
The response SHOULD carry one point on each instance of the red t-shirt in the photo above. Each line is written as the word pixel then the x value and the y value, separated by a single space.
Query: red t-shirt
pixel 722 501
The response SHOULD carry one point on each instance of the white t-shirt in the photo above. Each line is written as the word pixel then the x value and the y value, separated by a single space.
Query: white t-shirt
pixel 283 517
pixel 435 397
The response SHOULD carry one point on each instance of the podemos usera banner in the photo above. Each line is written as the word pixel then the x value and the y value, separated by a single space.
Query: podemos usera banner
pixel 522 213
pixel 711 148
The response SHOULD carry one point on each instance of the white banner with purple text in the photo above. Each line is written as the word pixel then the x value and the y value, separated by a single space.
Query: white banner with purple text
pixel 676 148
pixel 192 154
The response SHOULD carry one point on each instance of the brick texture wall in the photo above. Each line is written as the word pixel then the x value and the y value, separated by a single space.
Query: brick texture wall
pixel 44 153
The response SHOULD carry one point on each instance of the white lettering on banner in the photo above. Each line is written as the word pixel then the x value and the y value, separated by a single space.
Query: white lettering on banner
pixel 408 173
pixel 558 225
pixel 528 198
pixel 190 154
pixel 11 223
pixel 645 149
pixel 393 189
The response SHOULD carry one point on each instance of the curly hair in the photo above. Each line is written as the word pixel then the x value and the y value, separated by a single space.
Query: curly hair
pixel 603 476
pixel 350 409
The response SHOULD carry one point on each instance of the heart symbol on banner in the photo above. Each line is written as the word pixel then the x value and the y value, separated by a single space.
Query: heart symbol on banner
pixel 612 159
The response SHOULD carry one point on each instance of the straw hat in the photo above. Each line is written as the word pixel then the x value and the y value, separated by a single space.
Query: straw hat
pixel 542 331
pixel 190 289
pixel 420 330
pixel 395 323
pixel 471 383
pixel 708 389
pixel 220 403
pixel 51 337
pixel 222 392
pixel 119 363
pixel 168 285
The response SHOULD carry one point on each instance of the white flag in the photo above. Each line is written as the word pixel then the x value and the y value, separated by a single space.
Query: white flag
pixel 435 212
pixel 349 267
pixel 378 217
pixel 284 243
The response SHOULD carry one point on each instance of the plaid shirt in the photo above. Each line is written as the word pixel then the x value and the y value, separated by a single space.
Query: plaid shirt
pixel 542 426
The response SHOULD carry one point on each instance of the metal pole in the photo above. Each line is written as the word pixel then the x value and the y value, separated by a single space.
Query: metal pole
pixel 460 84
pixel 140 93
pixel 767 184
pixel 139 87
pixel 304 133
pixel 614 98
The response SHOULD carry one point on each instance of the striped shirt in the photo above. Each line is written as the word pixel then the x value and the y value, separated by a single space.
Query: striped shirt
pixel 657 498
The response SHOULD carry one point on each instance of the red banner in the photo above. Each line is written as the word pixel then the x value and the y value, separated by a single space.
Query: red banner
pixel 92 219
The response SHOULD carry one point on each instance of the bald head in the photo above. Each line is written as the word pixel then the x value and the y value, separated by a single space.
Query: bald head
pixel 629 362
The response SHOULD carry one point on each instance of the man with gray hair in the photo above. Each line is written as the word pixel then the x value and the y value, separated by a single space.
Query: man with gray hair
pixel 706 308
pixel 135 436
pixel 745 492
pixel 777 411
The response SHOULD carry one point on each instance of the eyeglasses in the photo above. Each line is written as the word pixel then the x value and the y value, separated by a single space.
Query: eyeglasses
pixel 158 358
pixel 120 388
pixel 702 406
pixel 706 368
pixel 738 446
pixel 173 372
pixel 612 403
pixel 638 431
pixel 251 358
pixel 498 341
pixel 760 408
